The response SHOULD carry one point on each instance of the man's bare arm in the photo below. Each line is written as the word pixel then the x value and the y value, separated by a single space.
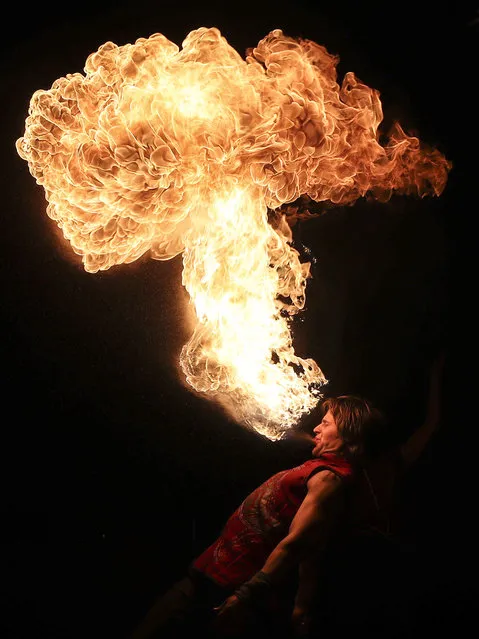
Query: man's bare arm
pixel 308 534
pixel 311 527
pixel 414 446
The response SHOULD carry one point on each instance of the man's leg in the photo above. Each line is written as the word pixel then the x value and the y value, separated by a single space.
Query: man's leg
pixel 169 610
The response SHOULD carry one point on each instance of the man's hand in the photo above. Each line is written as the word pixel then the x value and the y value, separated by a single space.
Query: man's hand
pixel 233 617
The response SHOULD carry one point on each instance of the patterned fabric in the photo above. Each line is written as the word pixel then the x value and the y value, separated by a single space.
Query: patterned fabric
pixel 261 521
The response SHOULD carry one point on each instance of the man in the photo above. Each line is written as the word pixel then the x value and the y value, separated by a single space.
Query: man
pixel 283 525
pixel 287 526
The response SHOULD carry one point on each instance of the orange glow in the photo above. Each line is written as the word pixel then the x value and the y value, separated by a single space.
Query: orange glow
pixel 165 150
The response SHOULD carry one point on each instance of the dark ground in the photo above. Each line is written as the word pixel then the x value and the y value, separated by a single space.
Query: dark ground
pixel 114 474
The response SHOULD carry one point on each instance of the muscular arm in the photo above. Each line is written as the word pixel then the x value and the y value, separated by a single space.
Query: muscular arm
pixel 311 526
pixel 308 535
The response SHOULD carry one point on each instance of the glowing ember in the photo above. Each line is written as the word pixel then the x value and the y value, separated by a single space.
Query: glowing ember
pixel 168 151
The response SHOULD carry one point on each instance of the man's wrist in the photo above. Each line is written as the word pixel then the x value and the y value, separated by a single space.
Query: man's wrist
pixel 256 590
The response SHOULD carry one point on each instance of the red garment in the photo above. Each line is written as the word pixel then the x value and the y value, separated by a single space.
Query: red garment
pixel 261 521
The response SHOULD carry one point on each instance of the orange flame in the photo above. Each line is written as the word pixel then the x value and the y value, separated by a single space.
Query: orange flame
pixel 169 151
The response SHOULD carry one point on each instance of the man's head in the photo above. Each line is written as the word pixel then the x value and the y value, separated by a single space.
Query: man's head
pixel 351 426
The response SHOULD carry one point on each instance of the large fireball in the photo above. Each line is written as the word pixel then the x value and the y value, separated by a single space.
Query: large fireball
pixel 162 150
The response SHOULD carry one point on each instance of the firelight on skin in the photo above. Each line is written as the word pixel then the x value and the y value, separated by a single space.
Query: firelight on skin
pixel 327 438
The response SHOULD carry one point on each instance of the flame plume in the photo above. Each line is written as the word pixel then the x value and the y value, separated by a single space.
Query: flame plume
pixel 166 150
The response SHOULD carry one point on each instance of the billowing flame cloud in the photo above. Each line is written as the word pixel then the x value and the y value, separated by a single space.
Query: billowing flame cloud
pixel 195 150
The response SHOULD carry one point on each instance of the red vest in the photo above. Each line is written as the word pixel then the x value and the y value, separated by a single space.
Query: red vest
pixel 261 521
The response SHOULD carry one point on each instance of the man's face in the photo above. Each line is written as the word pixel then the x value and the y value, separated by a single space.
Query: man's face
pixel 327 438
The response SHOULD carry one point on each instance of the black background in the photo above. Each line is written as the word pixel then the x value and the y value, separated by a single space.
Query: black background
pixel 114 474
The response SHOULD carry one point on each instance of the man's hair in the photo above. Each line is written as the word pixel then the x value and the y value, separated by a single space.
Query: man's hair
pixel 360 424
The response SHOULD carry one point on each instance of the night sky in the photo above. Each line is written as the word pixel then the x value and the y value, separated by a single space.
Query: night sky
pixel 114 474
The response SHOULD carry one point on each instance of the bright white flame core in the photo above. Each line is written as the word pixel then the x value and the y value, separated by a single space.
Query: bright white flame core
pixel 242 350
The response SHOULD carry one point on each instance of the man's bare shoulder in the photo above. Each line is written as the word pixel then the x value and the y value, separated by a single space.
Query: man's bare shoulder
pixel 325 483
